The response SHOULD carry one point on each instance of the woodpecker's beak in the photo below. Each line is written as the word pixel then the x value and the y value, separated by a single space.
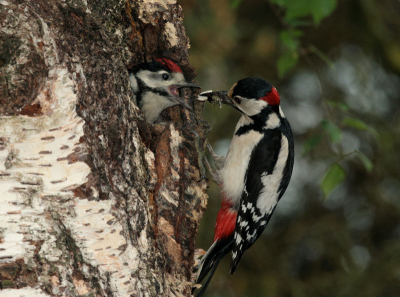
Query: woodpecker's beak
pixel 220 97
pixel 174 93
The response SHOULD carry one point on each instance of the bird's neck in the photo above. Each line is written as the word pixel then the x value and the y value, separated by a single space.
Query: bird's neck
pixel 153 104
pixel 269 118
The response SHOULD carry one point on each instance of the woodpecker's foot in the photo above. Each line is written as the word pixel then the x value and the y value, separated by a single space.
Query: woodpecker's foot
pixel 198 255
pixel 219 161
pixel 214 173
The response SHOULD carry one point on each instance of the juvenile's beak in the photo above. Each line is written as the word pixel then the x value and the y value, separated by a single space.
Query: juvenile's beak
pixel 174 93
pixel 219 97
pixel 180 101
pixel 189 85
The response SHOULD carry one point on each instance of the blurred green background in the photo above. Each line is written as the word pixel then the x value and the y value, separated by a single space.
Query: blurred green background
pixel 336 64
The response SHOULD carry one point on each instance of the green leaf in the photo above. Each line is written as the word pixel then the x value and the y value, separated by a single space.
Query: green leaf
pixel 288 40
pixel 278 2
pixel 321 9
pixel 286 62
pixel 311 143
pixel 299 23
pixel 355 123
pixel 332 179
pixel 296 9
pixel 235 3
pixel 366 161
pixel 359 125
pixel 317 9
pixel 333 131
pixel 341 105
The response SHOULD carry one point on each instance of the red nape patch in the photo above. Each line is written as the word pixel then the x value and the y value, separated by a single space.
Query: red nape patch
pixel 226 220
pixel 272 98
pixel 169 64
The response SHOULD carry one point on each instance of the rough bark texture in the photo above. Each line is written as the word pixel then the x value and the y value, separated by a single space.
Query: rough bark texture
pixel 94 201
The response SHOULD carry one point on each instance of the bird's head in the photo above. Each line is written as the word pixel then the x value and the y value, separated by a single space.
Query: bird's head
pixel 156 86
pixel 249 95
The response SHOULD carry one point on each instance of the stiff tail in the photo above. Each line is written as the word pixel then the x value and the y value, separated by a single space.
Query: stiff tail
pixel 211 259
pixel 237 256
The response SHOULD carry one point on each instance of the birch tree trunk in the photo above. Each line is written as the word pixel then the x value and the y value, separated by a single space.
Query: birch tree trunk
pixel 94 201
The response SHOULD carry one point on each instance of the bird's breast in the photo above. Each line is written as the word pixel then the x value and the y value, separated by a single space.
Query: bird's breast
pixel 237 160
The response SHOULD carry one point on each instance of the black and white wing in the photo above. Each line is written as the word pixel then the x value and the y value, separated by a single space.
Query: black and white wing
pixel 266 180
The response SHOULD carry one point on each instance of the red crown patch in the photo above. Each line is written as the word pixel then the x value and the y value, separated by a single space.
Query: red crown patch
pixel 169 64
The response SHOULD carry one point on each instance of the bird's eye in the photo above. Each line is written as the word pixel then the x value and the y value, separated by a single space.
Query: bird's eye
pixel 237 100
pixel 165 76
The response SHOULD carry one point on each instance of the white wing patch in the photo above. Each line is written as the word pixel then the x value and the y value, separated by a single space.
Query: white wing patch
pixel 256 218
pixel 269 195
pixel 243 224
pixel 249 236
pixel 238 238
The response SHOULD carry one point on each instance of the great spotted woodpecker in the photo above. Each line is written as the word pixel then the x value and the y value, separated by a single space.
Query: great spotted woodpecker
pixel 253 176
pixel 155 87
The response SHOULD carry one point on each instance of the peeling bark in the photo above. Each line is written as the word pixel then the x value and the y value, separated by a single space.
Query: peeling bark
pixel 95 201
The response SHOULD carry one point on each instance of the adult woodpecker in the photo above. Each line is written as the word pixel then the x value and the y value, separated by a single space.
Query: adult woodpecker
pixel 255 173
pixel 155 87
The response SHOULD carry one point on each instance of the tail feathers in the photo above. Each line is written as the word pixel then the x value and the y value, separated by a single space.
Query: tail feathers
pixel 236 257
pixel 237 252
pixel 204 287
pixel 205 263
pixel 210 261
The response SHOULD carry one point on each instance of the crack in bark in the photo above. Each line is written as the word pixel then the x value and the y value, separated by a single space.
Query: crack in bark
pixel 71 247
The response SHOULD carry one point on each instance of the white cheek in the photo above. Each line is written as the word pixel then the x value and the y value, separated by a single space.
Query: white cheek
pixel 252 107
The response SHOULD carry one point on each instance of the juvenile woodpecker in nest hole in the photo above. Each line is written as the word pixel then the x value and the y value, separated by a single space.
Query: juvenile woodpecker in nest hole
pixel 253 176
pixel 156 85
